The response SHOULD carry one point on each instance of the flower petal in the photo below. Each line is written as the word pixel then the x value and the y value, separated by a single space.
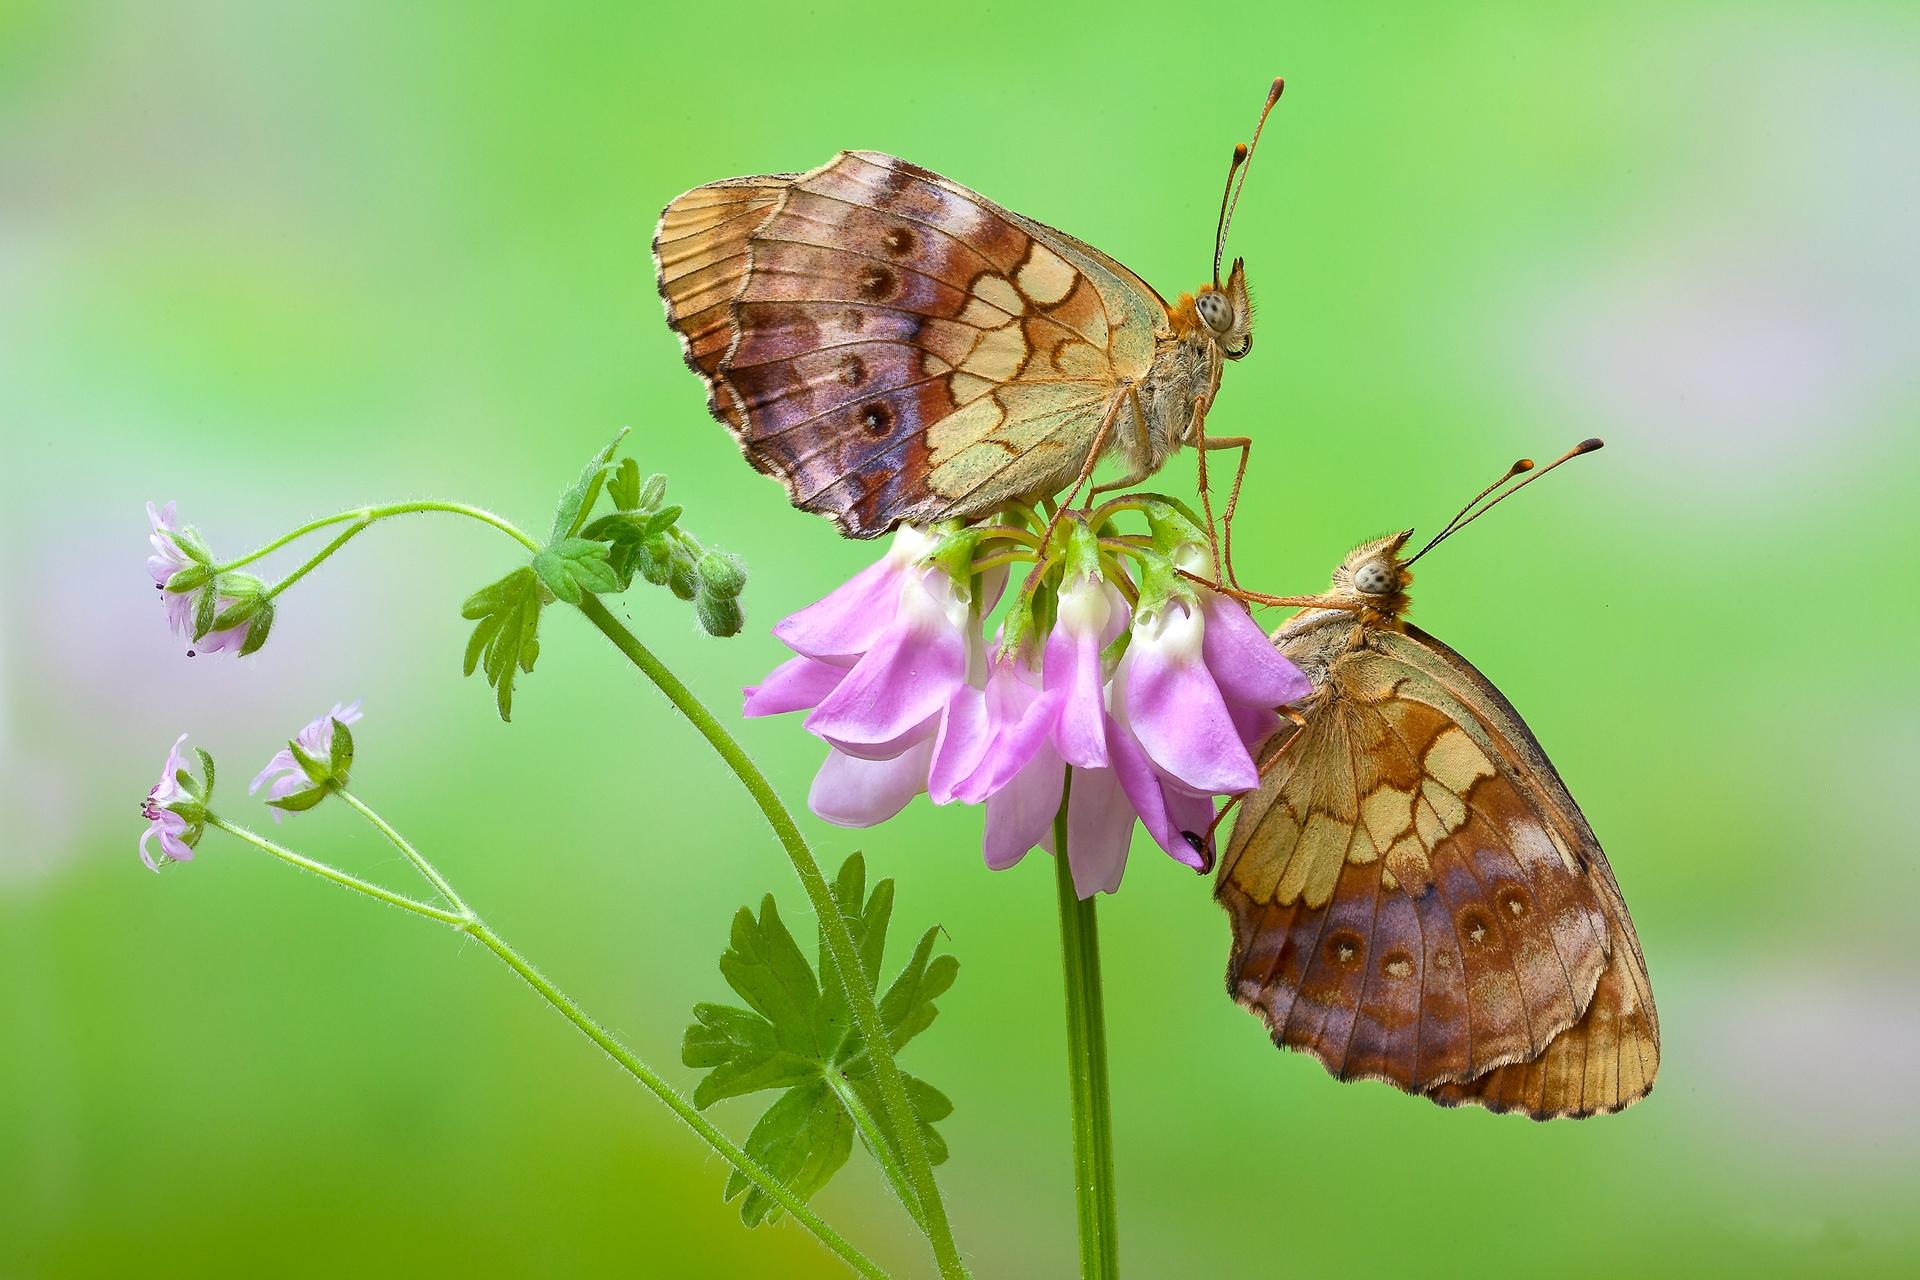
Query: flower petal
pixel 847 620
pixel 1175 710
pixel 1099 830
pixel 1244 662
pixel 1073 670
pixel 962 740
pixel 906 679
pixel 798 684
pixel 1014 747
pixel 1020 813
pixel 850 792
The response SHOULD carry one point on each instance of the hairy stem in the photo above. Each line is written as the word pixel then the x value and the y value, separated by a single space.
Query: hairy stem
pixel 465 921
pixel 900 1117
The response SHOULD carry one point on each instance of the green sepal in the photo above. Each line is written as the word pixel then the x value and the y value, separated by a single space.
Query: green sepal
pixel 340 758
pixel 722 573
pixel 719 616
pixel 206 772
pixel 300 801
pixel 204 611
pixel 187 579
pixel 316 769
pixel 259 628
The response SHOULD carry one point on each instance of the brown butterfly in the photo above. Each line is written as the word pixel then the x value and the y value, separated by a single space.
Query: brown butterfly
pixel 1415 896
pixel 892 346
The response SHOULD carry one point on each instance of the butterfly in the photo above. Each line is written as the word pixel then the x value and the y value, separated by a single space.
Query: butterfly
pixel 894 347
pixel 1415 897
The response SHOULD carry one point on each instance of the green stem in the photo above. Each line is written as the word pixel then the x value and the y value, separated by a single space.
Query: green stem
pixel 317 560
pixel 367 515
pixel 339 877
pixel 401 843
pixel 1086 1066
pixel 900 1116
pixel 466 922
pixel 877 1143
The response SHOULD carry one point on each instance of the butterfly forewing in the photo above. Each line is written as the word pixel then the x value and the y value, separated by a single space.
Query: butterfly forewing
pixel 1414 895
pixel 895 347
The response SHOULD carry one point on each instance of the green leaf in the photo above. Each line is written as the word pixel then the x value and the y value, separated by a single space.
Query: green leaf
pixel 506 618
pixel 802 1140
pixel 624 486
pixel 797 1032
pixel 574 568
pixel 578 500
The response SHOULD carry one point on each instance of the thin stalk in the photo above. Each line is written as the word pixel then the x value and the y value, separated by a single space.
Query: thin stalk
pixel 877 1143
pixel 900 1115
pixel 466 922
pixel 318 559
pixel 339 877
pixel 413 855
pixel 1086 1066
pixel 367 515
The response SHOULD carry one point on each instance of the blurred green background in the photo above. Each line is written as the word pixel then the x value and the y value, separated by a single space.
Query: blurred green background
pixel 275 260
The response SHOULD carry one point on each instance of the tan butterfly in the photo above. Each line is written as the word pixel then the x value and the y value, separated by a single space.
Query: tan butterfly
pixel 1415 896
pixel 892 346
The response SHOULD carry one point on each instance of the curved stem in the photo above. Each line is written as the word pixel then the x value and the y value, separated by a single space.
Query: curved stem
pixel 900 1116
pixel 466 922
pixel 1086 1065
pixel 317 560
pixel 367 515
pixel 339 877
pixel 413 855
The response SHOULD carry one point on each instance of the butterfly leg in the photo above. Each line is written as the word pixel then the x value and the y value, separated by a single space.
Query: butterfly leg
pixel 1100 438
pixel 1141 471
pixel 1245 446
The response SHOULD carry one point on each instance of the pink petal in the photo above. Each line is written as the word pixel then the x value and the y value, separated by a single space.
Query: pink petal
pixel 903 682
pixel 282 761
pixel 798 684
pixel 1175 710
pixel 1020 813
pixel 1014 747
pixel 1244 662
pixel 1073 670
pixel 1099 829
pixel 847 621
pixel 850 792
pixel 962 740
pixel 1254 724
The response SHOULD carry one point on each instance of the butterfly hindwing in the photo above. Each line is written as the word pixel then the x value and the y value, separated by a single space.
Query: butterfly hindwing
pixel 1414 895
pixel 892 346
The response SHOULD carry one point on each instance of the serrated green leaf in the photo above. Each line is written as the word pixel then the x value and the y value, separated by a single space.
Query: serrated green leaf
pixel 624 486
pixel 506 617
pixel 803 1140
pixel 797 1032
pixel 574 568
pixel 578 499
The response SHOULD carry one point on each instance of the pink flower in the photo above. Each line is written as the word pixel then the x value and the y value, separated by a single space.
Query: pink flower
pixel 317 741
pixel 168 559
pixel 896 679
pixel 177 835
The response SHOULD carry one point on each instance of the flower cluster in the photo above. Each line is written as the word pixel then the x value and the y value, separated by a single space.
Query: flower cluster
pixel 1153 688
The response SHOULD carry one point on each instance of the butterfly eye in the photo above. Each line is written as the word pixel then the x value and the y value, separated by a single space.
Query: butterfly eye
pixel 1214 311
pixel 1373 579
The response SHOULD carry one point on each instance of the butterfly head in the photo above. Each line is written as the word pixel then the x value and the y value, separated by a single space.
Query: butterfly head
pixel 1225 313
pixel 1374 576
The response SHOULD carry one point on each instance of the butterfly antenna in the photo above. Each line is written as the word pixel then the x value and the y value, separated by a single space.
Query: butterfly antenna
pixel 1231 200
pixel 1240 153
pixel 1464 519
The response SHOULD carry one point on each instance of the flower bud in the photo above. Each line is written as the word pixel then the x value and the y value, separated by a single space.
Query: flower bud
pixel 682 579
pixel 722 573
pixel 718 615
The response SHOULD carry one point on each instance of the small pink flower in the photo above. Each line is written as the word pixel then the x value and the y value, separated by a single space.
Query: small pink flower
pixel 317 741
pixel 174 831
pixel 168 559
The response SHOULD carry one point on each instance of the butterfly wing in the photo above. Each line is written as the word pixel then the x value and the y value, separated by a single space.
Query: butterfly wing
pixel 893 346
pixel 1414 895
